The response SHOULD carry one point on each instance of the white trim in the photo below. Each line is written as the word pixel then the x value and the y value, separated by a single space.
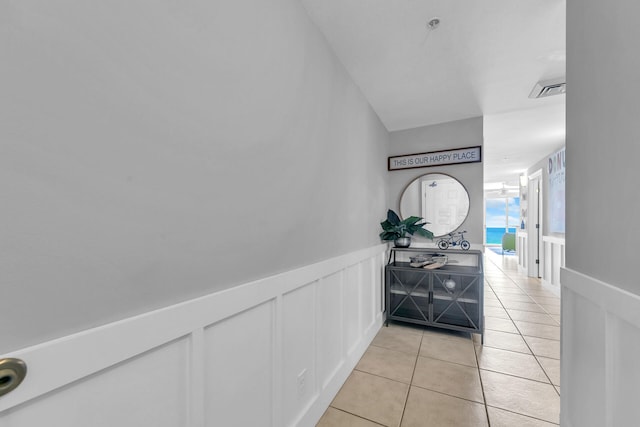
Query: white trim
pixel 612 299
pixel 610 351
pixel 553 259
pixel 522 249
pixel 600 341
pixel 196 399
pixel 63 362
pixel 553 239
pixel 536 174
pixel 531 230
pixel 277 354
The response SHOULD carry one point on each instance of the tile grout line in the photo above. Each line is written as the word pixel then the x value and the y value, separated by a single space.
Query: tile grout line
pixel 522 336
pixel 535 356
pixel 413 373
pixel 484 397
pixel 530 349
pixel 357 416
pixel 448 394
pixel 506 274
pixel 517 376
pixel 522 415
pixel 411 384
pixel 496 274
pixel 486 406
pixel 509 276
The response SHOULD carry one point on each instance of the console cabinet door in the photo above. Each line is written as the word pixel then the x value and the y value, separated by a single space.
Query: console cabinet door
pixel 408 294
pixel 456 300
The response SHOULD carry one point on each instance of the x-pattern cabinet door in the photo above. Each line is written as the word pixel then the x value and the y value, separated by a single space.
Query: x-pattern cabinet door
pixel 408 294
pixel 456 299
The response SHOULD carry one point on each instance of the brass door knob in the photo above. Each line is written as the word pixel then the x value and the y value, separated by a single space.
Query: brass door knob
pixel 12 372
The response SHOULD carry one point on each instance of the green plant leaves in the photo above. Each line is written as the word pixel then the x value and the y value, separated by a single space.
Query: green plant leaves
pixel 412 220
pixel 393 227
pixel 424 233
pixel 393 218
pixel 387 226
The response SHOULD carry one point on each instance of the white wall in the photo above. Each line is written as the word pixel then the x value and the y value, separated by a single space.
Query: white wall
pixel 551 245
pixel 443 136
pixel 543 164
pixel 600 287
pixel 602 117
pixel 154 152
pixel 273 352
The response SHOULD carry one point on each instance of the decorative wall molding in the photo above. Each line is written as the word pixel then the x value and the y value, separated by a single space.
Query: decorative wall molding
pixel 612 299
pixel 522 248
pixel 601 336
pixel 281 346
pixel 553 259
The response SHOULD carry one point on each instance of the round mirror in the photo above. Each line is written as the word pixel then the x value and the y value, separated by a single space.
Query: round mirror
pixel 438 198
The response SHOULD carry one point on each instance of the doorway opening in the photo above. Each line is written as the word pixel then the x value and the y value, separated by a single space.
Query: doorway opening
pixel 502 215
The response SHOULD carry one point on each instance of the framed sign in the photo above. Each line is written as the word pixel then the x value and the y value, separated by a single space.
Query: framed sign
pixel 556 212
pixel 435 158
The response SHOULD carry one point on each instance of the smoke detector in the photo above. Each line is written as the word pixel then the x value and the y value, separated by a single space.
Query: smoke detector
pixel 545 88
pixel 433 23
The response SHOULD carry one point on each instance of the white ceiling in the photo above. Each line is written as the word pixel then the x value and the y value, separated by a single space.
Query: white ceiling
pixel 482 60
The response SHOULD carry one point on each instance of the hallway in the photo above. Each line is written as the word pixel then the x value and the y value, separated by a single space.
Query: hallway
pixel 416 377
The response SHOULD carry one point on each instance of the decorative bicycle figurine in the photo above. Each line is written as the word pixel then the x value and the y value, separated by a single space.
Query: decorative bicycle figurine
pixel 454 239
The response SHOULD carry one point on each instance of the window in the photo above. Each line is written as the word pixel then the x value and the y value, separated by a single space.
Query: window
pixel 502 215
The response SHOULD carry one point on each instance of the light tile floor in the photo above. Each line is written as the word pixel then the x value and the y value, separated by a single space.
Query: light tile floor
pixel 413 376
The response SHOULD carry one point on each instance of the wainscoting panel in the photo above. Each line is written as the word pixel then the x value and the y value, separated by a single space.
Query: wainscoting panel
pixel 329 327
pixel 273 352
pixel 367 306
pixel 238 368
pixel 624 375
pixel 298 361
pixel 552 260
pixel 522 247
pixel 351 308
pixel 149 389
pixel 600 344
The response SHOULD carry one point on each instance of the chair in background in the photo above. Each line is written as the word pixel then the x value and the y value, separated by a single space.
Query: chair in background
pixel 508 242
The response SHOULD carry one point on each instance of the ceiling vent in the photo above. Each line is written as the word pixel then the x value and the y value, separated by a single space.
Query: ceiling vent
pixel 546 88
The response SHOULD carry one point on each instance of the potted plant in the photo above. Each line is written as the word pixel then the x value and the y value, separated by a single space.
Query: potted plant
pixel 400 231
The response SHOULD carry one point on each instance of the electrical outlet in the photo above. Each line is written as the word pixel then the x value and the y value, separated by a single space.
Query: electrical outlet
pixel 302 382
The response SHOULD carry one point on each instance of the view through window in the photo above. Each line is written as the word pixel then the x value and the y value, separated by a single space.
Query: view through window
pixel 502 216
